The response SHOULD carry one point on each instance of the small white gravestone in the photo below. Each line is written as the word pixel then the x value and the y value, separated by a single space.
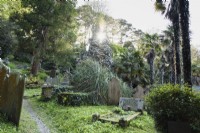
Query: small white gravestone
pixel 49 81
pixel 134 104
pixel 55 81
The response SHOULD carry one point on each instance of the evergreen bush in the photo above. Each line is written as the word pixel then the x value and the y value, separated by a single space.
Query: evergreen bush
pixel 174 103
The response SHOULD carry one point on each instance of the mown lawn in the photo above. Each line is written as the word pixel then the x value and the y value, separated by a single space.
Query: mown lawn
pixel 66 119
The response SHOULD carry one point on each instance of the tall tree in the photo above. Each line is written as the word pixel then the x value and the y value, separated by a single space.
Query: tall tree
pixel 49 22
pixel 150 46
pixel 178 13
pixel 173 14
pixel 185 38
pixel 169 38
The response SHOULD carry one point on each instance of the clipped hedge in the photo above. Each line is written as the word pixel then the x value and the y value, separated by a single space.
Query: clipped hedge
pixel 174 103
pixel 75 99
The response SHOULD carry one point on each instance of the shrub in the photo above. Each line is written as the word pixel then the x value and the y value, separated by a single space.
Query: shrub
pixel 42 75
pixel 90 76
pixel 75 99
pixel 174 103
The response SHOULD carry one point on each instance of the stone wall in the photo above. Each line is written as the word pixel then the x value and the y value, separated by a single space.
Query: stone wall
pixel 11 93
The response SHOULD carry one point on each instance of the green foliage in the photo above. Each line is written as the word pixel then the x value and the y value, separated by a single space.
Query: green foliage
pixel 174 103
pixel 75 99
pixel 47 29
pixel 129 64
pixel 117 50
pixel 8 39
pixel 160 6
pixel 12 65
pixel 150 41
pixel 37 79
pixel 195 70
pixel 9 6
pixel 90 76
pixel 120 111
pixel 42 75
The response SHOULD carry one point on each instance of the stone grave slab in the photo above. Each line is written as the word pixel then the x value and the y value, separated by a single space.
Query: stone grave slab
pixel 133 104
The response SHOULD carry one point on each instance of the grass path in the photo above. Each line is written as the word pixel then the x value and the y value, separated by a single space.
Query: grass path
pixel 41 126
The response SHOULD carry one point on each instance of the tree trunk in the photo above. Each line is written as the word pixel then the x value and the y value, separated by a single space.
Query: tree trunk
pixel 35 66
pixel 35 62
pixel 173 64
pixel 186 53
pixel 162 75
pixel 177 62
pixel 162 72
pixel 150 60
pixel 151 71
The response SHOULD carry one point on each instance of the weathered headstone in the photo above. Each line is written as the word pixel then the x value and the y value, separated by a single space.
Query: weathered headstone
pixel 114 92
pixel 52 81
pixel 134 104
pixel 47 92
pixel 11 93
pixel 139 92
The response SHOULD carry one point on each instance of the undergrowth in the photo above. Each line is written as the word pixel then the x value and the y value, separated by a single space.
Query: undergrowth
pixel 69 119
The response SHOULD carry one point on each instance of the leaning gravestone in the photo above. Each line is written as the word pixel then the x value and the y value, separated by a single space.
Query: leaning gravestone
pixel 11 93
pixel 134 104
pixel 114 92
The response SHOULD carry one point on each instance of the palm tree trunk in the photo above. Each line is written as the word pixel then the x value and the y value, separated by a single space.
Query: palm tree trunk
pixel 150 60
pixel 162 74
pixel 151 71
pixel 173 64
pixel 177 49
pixel 186 53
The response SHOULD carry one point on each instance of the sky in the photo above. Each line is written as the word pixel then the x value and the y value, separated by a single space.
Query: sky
pixel 142 15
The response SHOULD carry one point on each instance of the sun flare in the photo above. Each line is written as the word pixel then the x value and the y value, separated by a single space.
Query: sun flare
pixel 101 36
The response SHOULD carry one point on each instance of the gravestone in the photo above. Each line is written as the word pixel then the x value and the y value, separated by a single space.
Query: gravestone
pixel 48 81
pixel 139 92
pixel 133 104
pixel 114 92
pixel 11 93
pixel 47 92
pixel 52 81
pixel 55 81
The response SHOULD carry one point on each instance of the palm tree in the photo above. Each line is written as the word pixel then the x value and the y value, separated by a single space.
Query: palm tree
pixel 173 14
pixel 186 52
pixel 178 13
pixel 150 60
pixel 150 47
pixel 169 39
